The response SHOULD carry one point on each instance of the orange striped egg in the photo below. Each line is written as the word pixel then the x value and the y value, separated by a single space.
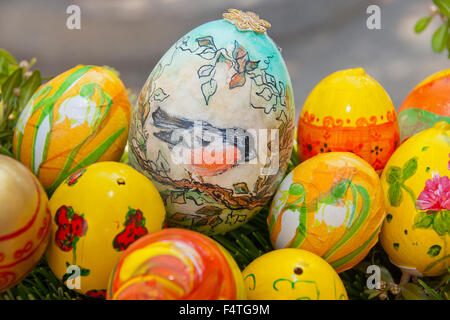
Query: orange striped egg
pixel 24 222
pixel 331 205
pixel 77 118
pixel 176 264
pixel 427 104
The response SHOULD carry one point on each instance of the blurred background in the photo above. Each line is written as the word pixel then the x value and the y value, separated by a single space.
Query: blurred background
pixel 317 37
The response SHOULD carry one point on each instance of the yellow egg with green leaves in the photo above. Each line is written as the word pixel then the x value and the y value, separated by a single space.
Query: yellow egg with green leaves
pixel 416 186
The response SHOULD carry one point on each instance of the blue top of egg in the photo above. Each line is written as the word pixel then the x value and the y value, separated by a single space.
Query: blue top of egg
pixel 259 46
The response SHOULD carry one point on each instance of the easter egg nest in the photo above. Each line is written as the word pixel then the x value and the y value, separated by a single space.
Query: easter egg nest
pixel 17 84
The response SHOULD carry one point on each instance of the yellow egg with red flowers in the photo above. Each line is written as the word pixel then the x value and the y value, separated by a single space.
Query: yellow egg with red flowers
pixel 96 214
pixel 176 264
pixel 292 274
pixel 349 111
pixel 79 117
pixel 416 184
pixel 24 222
pixel 331 205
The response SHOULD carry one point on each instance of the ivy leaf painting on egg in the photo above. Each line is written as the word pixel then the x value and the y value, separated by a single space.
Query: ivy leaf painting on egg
pixel 219 96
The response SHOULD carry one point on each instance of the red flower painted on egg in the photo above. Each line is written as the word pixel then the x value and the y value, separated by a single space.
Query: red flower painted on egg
pixel 64 239
pixel 78 226
pixel 97 294
pixel 71 226
pixel 134 229
pixel 61 218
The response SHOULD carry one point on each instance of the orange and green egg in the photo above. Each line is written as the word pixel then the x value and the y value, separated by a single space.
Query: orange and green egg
pixel 79 117
pixel 427 104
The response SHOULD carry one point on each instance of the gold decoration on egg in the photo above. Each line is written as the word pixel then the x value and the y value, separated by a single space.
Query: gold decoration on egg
pixel 246 21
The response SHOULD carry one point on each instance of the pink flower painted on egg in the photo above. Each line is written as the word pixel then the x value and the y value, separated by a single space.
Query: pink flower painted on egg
pixel 436 194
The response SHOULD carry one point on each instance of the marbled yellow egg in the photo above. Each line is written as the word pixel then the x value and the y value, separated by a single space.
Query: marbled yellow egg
pixel 214 124
pixel 349 111
pixel 416 184
pixel 292 274
pixel 332 205
pixel 79 117
pixel 176 264
pixel 24 222
pixel 96 214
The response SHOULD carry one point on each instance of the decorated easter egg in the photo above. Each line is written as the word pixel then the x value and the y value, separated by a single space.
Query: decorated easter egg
pixel 96 214
pixel 349 111
pixel 292 274
pixel 331 205
pixel 213 126
pixel 175 264
pixel 427 104
pixel 416 184
pixel 24 222
pixel 77 118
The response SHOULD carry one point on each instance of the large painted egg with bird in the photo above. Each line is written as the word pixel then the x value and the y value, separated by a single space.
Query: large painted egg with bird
pixel 213 126
pixel 292 274
pixel 331 205
pixel 176 264
pixel 427 104
pixel 79 117
pixel 97 213
pixel 416 184
pixel 349 111
pixel 24 222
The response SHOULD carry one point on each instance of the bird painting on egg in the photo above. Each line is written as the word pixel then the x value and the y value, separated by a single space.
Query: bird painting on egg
pixel 196 127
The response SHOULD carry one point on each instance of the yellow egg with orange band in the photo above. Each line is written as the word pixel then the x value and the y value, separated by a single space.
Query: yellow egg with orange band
pixel 176 264
pixel 331 205
pixel 77 118
pixel 292 274
pixel 349 111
